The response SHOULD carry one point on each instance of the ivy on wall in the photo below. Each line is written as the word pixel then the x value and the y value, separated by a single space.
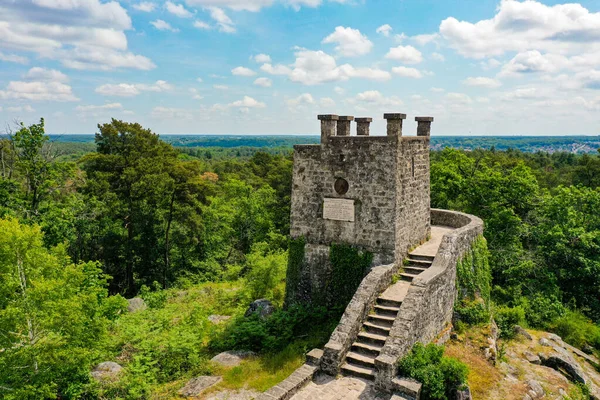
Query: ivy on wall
pixel 295 261
pixel 348 268
pixel 473 271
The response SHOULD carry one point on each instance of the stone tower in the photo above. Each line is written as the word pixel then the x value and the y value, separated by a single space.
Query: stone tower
pixel 371 192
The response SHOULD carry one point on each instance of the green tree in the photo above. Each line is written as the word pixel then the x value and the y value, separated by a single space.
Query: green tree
pixel 53 316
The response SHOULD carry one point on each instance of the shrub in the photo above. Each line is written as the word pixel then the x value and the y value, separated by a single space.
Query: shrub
pixel 576 329
pixel 540 309
pixel 506 318
pixel 266 273
pixel 472 312
pixel 440 375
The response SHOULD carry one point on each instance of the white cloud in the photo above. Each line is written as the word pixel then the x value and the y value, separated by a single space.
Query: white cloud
pixel 303 99
pixel 490 64
pixel 237 5
pixel 38 91
pixel 44 74
pixel 437 90
pixel 264 82
pixel 225 23
pixel 201 25
pixel 533 61
pixel 195 94
pixel 339 90
pixel 385 30
pixel 458 98
pixel 422 40
pixel 482 81
pixel 400 37
pixel 93 108
pixel 438 57
pixel 16 109
pixel 145 6
pixel 262 58
pixel 130 90
pixel 171 113
pixel 163 26
pixel 482 100
pixel 221 87
pixel 405 54
pixel 13 58
pixel 71 32
pixel 374 97
pixel 178 10
pixel 327 102
pixel 243 71
pixel 200 80
pixel 275 70
pixel 350 42
pixel 247 102
pixel 528 25
pixel 407 72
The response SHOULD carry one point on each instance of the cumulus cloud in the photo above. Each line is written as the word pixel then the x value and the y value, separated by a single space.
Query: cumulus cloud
pixel 532 62
pixel 374 97
pixel 482 81
pixel 38 91
pixel 223 21
pixel 132 89
pixel 178 10
pixel 103 107
pixel 327 102
pixel 72 32
pixel 262 58
pixel 339 90
pixel 243 71
pixel 44 74
pixel 195 94
pixel 405 54
pixel 438 57
pixel 422 40
pixel 264 82
pixel 458 98
pixel 385 30
pixel 303 100
pixel 145 6
pixel 407 72
pixel 315 67
pixel 247 102
pixel 163 26
pixel 16 109
pixel 221 87
pixel 237 5
pixel 167 113
pixel 201 25
pixel 350 42
pixel 13 58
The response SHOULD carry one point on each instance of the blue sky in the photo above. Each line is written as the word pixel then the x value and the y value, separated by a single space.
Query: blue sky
pixel 270 66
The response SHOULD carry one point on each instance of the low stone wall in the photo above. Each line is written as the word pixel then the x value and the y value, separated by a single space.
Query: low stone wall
pixel 428 305
pixel 378 279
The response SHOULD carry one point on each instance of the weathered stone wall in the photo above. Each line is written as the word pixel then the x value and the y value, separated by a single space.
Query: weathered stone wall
pixel 357 310
pixel 413 189
pixel 427 307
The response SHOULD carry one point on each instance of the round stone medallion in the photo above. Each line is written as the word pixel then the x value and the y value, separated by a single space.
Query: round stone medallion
pixel 341 186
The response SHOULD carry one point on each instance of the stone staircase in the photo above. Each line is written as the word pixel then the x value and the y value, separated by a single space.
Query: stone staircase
pixel 360 360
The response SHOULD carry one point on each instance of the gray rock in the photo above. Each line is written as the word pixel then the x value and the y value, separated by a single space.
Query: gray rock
pixel 536 388
pixel 532 358
pixel 136 304
pixel 554 337
pixel 107 371
pixel 241 394
pixel 587 349
pixel 217 319
pixel 232 358
pixel 520 331
pixel 464 393
pixel 563 361
pixel 195 386
pixel 262 307
pixel 544 342
pixel 527 397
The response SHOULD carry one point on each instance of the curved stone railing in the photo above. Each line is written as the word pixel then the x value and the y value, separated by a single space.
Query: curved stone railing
pixel 376 281
pixel 428 305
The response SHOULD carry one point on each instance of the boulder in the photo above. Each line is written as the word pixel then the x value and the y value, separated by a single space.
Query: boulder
pixel 463 393
pixel 232 358
pixel 195 386
pixel 106 371
pixel 563 361
pixel 520 331
pixel 587 349
pixel 242 394
pixel 536 390
pixel 217 319
pixel 544 342
pixel 262 307
pixel 136 304
pixel 532 358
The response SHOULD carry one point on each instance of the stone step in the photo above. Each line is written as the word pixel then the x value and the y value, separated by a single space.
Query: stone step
pixel 381 320
pixel 420 257
pixel 419 263
pixel 407 277
pixel 366 349
pixel 387 311
pixel 414 270
pixel 360 359
pixel 376 329
pixel 371 338
pixel 359 372
pixel 382 301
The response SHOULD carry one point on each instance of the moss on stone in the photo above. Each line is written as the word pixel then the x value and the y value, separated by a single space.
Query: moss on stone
pixel 295 261
pixel 473 272
pixel 348 268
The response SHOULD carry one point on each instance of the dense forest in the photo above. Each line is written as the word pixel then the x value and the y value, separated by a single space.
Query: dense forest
pixel 82 229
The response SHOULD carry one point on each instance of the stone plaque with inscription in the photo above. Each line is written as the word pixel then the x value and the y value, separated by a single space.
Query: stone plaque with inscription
pixel 338 209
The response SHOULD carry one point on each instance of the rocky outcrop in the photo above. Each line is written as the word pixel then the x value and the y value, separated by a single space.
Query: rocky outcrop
pixel 136 304
pixel 107 371
pixel 232 358
pixel 195 386
pixel 262 307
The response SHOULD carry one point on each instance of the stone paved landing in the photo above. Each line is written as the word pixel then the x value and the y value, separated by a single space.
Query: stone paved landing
pixel 345 388
pixel 430 247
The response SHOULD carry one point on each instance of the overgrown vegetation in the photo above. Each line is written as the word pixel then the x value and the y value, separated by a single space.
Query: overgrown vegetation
pixel 441 376
pixel 348 268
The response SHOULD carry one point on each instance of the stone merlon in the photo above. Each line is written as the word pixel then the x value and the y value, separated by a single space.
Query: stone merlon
pixel 343 125
pixel 424 125
pixel 362 126
pixel 394 123
pixel 328 126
